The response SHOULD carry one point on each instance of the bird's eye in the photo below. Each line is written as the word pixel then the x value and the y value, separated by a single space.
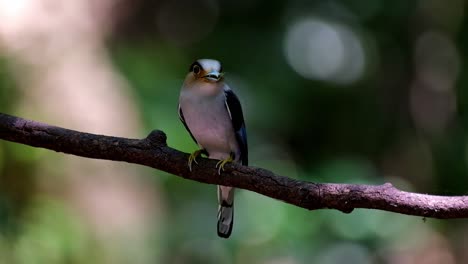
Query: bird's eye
pixel 196 69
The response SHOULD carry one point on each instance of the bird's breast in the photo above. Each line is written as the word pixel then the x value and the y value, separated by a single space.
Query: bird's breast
pixel 210 124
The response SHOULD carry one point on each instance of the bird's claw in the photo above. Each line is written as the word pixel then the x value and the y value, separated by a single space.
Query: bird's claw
pixel 221 163
pixel 193 158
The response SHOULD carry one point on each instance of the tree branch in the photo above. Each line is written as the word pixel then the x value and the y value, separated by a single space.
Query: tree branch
pixel 153 151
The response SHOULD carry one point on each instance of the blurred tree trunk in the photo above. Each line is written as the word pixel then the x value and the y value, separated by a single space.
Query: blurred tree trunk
pixel 66 78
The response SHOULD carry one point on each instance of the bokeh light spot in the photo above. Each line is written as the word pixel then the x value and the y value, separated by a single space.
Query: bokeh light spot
pixel 322 50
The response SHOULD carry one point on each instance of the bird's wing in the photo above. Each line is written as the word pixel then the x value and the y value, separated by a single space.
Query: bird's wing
pixel 181 117
pixel 234 109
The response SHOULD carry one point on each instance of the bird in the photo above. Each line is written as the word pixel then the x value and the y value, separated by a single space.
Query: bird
pixel 212 114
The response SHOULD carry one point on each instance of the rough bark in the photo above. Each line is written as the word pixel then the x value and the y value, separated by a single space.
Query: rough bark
pixel 153 151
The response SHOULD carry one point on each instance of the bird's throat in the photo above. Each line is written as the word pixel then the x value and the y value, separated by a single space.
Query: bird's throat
pixel 208 89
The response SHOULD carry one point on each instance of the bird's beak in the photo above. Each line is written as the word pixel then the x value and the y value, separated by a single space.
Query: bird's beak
pixel 213 76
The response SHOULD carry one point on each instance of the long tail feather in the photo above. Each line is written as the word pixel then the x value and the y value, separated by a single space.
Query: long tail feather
pixel 225 211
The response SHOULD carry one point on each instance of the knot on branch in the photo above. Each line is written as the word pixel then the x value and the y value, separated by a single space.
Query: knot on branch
pixel 346 210
pixel 157 137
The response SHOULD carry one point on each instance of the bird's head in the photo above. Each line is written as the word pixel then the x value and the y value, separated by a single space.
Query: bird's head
pixel 205 70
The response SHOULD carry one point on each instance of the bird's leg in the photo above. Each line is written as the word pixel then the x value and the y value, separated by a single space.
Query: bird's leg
pixel 193 157
pixel 221 163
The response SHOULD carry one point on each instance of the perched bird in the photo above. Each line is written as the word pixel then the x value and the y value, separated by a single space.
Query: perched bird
pixel 212 114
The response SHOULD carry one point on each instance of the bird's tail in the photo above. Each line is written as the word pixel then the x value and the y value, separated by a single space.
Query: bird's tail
pixel 225 211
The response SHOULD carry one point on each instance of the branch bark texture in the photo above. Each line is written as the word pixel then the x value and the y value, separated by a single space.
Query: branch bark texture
pixel 153 151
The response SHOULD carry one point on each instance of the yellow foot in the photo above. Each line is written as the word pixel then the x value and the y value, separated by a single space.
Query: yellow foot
pixel 221 163
pixel 193 158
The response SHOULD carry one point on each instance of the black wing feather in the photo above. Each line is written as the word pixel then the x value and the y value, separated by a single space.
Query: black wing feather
pixel 234 108
pixel 181 117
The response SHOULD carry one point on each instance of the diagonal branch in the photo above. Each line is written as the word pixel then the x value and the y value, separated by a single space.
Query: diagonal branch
pixel 153 151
